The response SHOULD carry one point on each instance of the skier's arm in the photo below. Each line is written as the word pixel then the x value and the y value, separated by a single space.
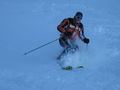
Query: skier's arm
pixel 83 38
pixel 82 28
pixel 81 34
pixel 63 24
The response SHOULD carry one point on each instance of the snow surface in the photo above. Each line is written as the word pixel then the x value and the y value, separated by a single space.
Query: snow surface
pixel 27 24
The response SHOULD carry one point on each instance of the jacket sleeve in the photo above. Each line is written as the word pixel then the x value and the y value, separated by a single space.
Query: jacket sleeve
pixel 62 25
pixel 82 28
pixel 81 35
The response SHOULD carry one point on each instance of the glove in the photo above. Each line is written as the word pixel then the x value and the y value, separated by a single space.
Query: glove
pixel 68 33
pixel 86 40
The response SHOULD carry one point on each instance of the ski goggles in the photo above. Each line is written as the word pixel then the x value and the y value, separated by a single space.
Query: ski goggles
pixel 78 16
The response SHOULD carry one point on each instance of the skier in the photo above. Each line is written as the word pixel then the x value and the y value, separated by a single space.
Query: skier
pixel 71 29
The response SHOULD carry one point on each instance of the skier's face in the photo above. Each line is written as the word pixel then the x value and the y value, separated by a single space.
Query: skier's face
pixel 78 19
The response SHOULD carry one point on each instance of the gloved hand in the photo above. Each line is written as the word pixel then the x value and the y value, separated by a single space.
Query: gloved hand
pixel 86 40
pixel 68 33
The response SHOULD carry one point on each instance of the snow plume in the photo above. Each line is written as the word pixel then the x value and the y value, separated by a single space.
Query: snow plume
pixel 74 59
pixel 70 60
pixel 94 55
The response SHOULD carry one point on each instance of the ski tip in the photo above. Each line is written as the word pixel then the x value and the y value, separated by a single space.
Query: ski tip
pixel 68 68
pixel 80 67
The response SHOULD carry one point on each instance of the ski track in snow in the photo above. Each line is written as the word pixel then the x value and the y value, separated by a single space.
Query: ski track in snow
pixel 23 24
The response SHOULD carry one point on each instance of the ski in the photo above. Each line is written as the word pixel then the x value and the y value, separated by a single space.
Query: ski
pixel 71 68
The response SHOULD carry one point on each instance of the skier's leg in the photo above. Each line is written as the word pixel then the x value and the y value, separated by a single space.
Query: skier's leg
pixel 74 46
pixel 64 43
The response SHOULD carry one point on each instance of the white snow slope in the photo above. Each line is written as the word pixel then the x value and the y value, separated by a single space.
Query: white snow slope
pixel 27 24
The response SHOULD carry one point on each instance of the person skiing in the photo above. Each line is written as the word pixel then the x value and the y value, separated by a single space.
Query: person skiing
pixel 71 29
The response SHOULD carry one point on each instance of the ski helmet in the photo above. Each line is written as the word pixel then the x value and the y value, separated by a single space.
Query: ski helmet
pixel 78 15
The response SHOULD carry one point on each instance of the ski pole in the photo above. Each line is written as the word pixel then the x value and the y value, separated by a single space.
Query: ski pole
pixel 39 47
